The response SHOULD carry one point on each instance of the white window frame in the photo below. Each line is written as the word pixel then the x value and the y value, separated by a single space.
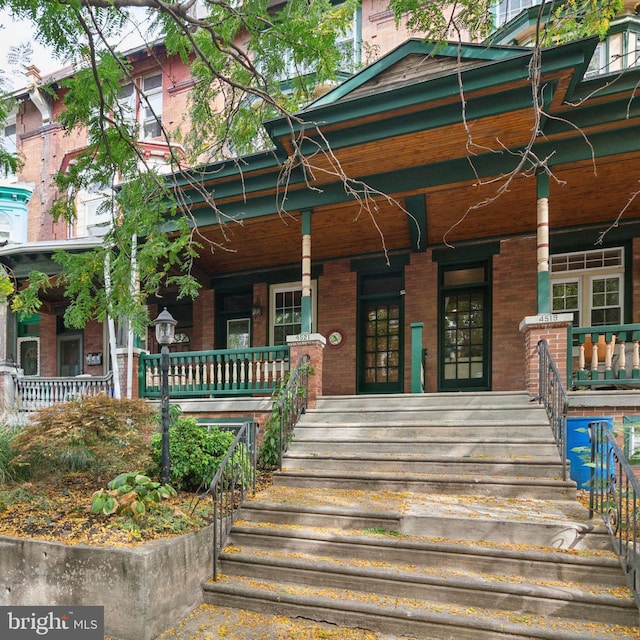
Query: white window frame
pixel 588 266
pixel 10 142
pixel 150 114
pixel 577 281
pixel 611 276
pixel 284 288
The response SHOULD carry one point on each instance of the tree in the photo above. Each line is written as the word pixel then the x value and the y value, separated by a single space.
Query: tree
pixel 240 53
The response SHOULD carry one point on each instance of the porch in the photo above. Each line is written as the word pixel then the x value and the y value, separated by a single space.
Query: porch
pixel 602 372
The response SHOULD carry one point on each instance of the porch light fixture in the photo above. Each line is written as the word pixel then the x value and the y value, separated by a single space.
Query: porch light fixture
pixel 165 332
pixel 256 310
pixel 165 327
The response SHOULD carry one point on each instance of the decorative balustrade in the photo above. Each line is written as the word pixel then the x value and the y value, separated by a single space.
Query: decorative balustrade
pixel 210 373
pixel 605 355
pixel 33 393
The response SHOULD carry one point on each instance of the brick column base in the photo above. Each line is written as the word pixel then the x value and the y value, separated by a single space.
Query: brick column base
pixel 121 354
pixel 311 344
pixel 551 327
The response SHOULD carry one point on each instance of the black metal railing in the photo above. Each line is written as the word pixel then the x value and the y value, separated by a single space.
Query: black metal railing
pixel 234 479
pixel 552 394
pixel 292 402
pixel 614 492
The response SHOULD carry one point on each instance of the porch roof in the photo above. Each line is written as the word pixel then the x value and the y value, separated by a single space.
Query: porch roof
pixel 424 169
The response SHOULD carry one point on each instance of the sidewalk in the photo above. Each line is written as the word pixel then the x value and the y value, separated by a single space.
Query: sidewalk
pixel 209 622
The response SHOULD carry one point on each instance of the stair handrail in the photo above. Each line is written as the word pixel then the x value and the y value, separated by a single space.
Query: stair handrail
pixel 292 403
pixel 614 492
pixel 233 480
pixel 552 393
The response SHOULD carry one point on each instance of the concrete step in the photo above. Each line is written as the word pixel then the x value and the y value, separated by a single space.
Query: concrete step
pixel 452 417
pixel 545 488
pixel 415 463
pixel 533 448
pixel 389 545
pixel 427 401
pixel 446 586
pixel 520 521
pixel 400 616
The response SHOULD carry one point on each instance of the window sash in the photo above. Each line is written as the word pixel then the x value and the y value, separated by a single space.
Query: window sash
pixel 286 311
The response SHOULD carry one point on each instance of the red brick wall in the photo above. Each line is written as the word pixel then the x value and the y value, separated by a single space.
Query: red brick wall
pixel 47 345
pixel 421 305
pixel 93 342
pixel 515 296
pixel 202 333
pixel 337 297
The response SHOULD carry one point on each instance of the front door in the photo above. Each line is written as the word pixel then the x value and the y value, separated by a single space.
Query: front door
pixel 464 327
pixel 380 343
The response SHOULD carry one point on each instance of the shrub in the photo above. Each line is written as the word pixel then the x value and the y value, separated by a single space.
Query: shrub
pixel 195 452
pixel 130 492
pixel 6 455
pixel 97 434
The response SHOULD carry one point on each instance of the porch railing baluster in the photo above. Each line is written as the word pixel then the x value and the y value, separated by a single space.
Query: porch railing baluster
pixel 221 372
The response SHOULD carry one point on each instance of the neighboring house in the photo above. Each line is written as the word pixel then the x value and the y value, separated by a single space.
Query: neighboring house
pixel 424 264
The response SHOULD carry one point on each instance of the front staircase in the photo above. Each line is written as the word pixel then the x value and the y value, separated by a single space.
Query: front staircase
pixel 427 516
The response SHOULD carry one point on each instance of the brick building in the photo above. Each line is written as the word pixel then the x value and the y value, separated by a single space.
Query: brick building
pixel 425 265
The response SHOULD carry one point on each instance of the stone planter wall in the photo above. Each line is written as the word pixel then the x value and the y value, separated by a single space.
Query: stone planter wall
pixel 143 589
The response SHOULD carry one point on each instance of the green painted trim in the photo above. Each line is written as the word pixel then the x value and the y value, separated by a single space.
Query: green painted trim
pixel 465 253
pixel 378 264
pixel 15 193
pixel 236 281
pixel 417 221
pixel 416 357
pixel 542 184
pixel 306 222
pixel 544 292
pixel 305 312
pixel 465 51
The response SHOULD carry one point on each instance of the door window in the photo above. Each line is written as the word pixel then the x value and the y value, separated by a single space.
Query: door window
pixel 70 355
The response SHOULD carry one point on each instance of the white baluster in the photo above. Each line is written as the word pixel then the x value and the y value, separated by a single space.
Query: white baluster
pixel 608 354
pixel 622 359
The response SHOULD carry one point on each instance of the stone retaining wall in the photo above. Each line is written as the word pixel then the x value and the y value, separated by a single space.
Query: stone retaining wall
pixel 143 589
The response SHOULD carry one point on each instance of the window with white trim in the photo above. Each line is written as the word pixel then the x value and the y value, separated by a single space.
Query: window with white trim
pixel 507 10
pixel 144 109
pixel 286 311
pixel 589 284
pixel 10 143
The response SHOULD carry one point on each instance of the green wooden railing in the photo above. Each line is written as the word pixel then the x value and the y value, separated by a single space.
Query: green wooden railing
pixel 200 374
pixel 599 356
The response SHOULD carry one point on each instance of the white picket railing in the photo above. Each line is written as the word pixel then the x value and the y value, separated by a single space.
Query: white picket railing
pixel 33 392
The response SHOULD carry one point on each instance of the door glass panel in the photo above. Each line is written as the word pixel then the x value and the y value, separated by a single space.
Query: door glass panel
pixel 382 357
pixel 70 356
pixel 239 333
pixel 464 337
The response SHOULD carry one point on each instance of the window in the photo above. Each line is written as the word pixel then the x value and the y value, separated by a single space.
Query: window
pixel 29 355
pixel 144 110
pixel 151 109
pixel 590 285
pixel 598 64
pixel 10 144
pixel 286 311
pixel 506 10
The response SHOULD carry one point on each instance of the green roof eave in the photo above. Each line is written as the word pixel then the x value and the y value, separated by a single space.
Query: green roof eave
pixel 232 168
pixel 484 76
pixel 463 51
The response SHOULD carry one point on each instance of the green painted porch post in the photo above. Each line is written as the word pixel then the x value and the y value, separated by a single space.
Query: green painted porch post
pixel 305 303
pixel 417 382
pixel 544 280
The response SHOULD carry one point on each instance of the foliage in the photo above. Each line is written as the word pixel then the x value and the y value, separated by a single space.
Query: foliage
pixel 195 452
pixel 97 434
pixel 130 492
pixel 7 473
pixel 251 61
pixel 283 402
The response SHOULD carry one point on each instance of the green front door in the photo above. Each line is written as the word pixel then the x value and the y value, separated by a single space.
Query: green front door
pixel 380 344
pixel 464 328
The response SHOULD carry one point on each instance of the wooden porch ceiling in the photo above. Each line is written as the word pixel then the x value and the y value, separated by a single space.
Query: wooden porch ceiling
pixel 579 195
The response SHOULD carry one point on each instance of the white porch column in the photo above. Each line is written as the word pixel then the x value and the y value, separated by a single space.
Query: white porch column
pixel 544 280
pixel 306 272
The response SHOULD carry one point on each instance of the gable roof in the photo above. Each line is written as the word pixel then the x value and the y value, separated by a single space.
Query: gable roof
pixel 415 60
